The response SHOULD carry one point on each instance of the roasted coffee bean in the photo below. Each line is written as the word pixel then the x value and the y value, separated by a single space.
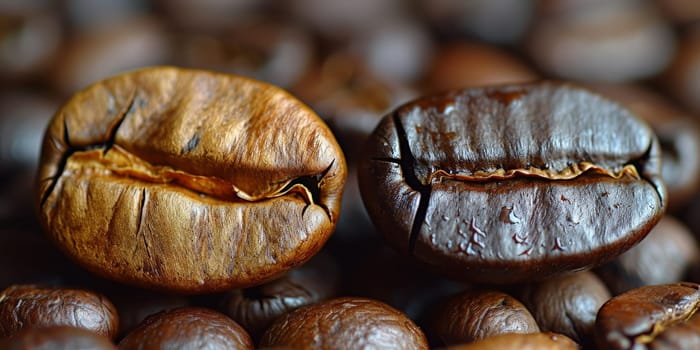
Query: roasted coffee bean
pixel 345 323
pixel 188 180
pixel 30 306
pixel 517 341
pixel 187 328
pixel 651 317
pixel 667 253
pixel 509 184
pixel 57 338
pixel 479 314
pixel 256 307
pixel 567 305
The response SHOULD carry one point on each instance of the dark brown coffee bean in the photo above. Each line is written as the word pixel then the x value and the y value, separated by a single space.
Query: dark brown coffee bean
pixel 515 183
pixel 345 323
pixel 517 341
pixel 188 180
pixel 567 305
pixel 57 338
pixel 30 306
pixel 479 314
pixel 255 308
pixel 664 256
pixel 187 328
pixel 651 317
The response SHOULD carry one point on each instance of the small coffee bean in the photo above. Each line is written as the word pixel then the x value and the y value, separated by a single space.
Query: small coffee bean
pixel 30 306
pixel 187 328
pixel 345 323
pixel 567 305
pixel 651 317
pixel 479 314
pixel 188 180
pixel 509 184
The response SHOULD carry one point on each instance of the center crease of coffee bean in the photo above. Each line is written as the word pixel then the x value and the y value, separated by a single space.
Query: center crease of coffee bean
pixel 633 169
pixel 109 158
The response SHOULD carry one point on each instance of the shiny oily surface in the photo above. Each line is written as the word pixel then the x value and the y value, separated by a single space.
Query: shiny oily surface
pixel 30 306
pixel 479 314
pixel 188 180
pixel 509 184
pixel 187 328
pixel 345 323
pixel 57 338
pixel 651 317
pixel 517 341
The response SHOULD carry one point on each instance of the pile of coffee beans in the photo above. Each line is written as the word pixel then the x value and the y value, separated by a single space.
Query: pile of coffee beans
pixel 331 174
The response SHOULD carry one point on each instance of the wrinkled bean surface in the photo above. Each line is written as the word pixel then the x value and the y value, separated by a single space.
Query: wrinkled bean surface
pixel 30 306
pixel 188 180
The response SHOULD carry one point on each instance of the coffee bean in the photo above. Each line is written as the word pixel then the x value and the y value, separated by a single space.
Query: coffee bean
pixel 515 183
pixel 345 323
pixel 479 314
pixel 187 328
pixel 57 338
pixel 651 317
pixel 31 306
pixel 188 181
pixel 567 305
pixel 517 341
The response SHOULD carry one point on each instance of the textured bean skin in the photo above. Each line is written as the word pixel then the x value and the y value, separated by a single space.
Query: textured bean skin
pixel 508 184
pixel 345 323
pixel 188 181
pixel 479 314
pixel 567 305
pixel 30 306
pixel 651 317
pixel 187 328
